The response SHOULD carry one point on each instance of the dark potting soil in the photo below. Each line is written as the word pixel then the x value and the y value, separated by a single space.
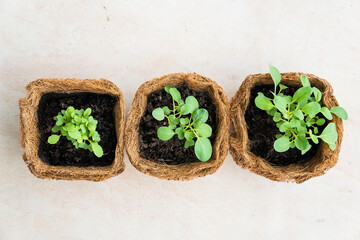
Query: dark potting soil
pixel 64 153
pixel 262 131
pixel 171 152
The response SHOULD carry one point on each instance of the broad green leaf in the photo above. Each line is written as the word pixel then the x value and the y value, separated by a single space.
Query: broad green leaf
pixel 340 112
pixel 301 142
pixel 77 119
pixel 311 108
pixel 317 94
pixel 53 139
pixel 83 145
pixel 204 130
pixel 302 128
pixel 175 95
pixel 282 87
pixel 69 111
pixel 97 149
pixel 191 104
pixel 69 127
pixel 83 129
pixel 275 75
pixel 302 93
pixel 305 81
pixel 306 150
pixel 173 120
pixel 295 123
pixel 302 103
pixel 280 103
pixel 55 129
pixel 332 146
pixel 263 102
pixel 184 121
pixel 320 121
pixel 60 121
pixel 200 115
pixel 165 133
pixel 189 135
pixel 278 125
pixel 179 131
pixel 75 134
pixel 278 136
pixel 282 144
pixel 298 114
pixel 96 137
pixel 329 135
pixel 288 99
pixel 189 143
pixel 272 111
pixel 277 117
pixel 326 112
pixel 166 110
pixel 203 149
pixel 87 112
pixel 285 126
pixel 158 114
pixel 167 88
pixel 91 128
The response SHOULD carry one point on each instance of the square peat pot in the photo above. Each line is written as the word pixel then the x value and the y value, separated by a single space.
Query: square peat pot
pixel 47 97
pixel 170 159
pixel 248 145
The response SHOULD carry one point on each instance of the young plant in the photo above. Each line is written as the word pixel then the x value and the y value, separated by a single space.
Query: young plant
pixel 186 120
pixel 298 116
pixel 79 128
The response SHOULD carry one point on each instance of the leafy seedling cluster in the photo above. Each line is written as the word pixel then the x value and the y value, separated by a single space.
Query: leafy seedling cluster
pixel 186 120
pixel 79 128
pixel 298 116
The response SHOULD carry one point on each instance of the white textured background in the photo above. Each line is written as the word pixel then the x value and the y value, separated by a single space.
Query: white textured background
pixel 129 42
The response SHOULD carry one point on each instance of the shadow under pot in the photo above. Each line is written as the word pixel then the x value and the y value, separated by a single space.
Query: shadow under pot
pixel 73 129
pixel 175 156
pixel 254 132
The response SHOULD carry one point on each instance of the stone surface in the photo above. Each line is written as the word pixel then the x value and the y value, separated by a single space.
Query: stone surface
pixel 129 42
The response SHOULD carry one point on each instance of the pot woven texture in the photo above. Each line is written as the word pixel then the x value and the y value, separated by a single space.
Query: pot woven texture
pixel 239 142
pixel 29 133
pixel 183 171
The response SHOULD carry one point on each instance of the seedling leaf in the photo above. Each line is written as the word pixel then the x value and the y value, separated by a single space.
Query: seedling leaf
pixel 340 112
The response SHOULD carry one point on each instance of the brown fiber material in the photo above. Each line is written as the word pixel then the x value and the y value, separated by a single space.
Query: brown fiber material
pixel 323 160
pixel 183 171
pixel 29 133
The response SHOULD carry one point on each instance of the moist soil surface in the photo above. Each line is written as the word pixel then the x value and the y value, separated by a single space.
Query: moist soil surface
pixel 171 152
pixel 262 131
pixel 64 153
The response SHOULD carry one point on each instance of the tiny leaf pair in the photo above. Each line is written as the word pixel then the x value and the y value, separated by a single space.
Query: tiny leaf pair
pixel 79 128
pixel 186 120
pixel 297 116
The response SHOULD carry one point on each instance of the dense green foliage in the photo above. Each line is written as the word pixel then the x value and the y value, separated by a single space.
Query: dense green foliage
pixel 186 120
pixel 79 128
pixel 299 116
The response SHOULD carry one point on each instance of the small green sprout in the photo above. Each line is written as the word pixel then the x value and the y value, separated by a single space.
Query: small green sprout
pixel 79 128
pixel 297 117
pixel 185 126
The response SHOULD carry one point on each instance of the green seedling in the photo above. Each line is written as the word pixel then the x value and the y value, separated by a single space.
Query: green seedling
pixel 79 128
pixel 298 116
pixel 186 120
